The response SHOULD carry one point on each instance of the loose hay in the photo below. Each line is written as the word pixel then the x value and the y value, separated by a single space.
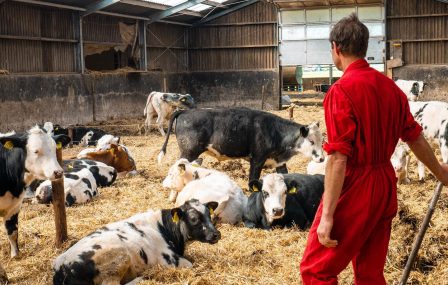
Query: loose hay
pixel 242 256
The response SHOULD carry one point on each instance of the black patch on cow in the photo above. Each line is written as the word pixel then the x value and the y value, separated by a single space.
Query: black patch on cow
pixel 170 232
pixel 195 175
pixel 11 224
pixel 87 192
pixel 71 176
pixel 132 226
pixel 418 115
pixel 167 258
pixel 98 231
pixel 96 246
pixel 87 182
pixel 443 121
pixel 80 272
pixel 437 134
pixel 121 237
pixel 143 255
pixel 69 199
pixel 90 162
pixel 102 180
pixel 12 169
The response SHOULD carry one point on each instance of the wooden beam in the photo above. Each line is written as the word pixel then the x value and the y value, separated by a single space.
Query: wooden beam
pixel 418 16
pixel 222 13
pixel 232 47
pixel 142 44
pixel 173 10
pixel 96 6
pixel 42 39
pixel 420 40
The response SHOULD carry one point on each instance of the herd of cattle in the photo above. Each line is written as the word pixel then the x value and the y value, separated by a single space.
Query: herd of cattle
pixel 119 252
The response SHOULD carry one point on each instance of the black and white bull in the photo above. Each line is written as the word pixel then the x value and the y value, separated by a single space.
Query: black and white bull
pixel 120 252
pixel 162 105
pixel 24 158
pixel 262 138
pixel 81 179
pixel 81 135
pixel 283 200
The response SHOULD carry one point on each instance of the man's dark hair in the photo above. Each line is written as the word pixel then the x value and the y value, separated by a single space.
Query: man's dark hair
pixel 351 36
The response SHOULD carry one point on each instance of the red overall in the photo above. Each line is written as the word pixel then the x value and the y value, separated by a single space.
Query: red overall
pixel 365 115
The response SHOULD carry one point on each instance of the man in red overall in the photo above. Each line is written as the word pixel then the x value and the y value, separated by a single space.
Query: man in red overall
pixel 365 115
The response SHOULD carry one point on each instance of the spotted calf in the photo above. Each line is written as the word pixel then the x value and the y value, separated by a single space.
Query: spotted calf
pixel 120 252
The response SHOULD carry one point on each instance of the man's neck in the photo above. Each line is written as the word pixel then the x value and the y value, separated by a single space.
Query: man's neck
pixel 347 60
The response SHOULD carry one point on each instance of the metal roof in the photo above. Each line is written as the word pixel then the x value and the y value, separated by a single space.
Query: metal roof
pixel 178 11
pixel 303 4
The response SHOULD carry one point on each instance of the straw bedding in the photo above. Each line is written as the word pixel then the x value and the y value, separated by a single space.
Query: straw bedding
pixel 242 256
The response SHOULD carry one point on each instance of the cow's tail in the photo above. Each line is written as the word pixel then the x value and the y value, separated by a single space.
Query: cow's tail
pixel 170 127
pixel 148 101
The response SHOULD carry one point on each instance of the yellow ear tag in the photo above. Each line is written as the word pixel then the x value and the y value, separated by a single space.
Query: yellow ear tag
pixel 255 188
pixel 182 100
pixel 176 218
pixel 70 166
pixel 211 211
pixel 293 190
pixel 195 165
pixel 8 145
pixel 59 145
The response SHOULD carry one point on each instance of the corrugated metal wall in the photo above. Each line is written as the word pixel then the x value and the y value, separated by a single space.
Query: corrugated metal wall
pixel 167 47
pixel 245 39
pixel 35 39
pixel 422 26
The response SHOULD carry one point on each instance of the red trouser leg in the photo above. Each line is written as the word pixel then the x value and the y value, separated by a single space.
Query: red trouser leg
pixel 361 220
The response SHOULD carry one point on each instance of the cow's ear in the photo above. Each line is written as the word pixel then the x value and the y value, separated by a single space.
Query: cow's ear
pixel 293 187
pixel 61 140
pixel 176 214
pixel 181 167
pixel 198 162
pixel 118 139
pixel 304 131
pixel 212 206
pixel 10 142
pixel 165 97
pixel 113 149
pixel 255 185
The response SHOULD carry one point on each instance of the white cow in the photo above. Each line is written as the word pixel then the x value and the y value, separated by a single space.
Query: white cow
pixel 162 105
pixel 411 88
pixel 400 161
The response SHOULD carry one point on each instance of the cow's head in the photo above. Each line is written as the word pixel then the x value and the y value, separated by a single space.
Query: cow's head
pixel 180 173
pixel 400 160
pixel 186 101
pixel 86 139
pixel 273 190
pixel 195 221
pixel 310 142
pixel 44 193
pixel 40 149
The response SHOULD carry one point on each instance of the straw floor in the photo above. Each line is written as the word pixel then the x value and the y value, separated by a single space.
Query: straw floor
pixel 242 256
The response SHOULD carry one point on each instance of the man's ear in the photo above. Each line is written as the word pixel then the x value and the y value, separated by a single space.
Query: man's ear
pixel 10 142
pixel 61 140
pixel 293 187
pixel 176 214
pixel 255 185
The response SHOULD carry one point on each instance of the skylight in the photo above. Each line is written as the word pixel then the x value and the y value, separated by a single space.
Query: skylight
pixel 196 8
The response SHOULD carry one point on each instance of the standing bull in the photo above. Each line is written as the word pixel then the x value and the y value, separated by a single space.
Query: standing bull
pixel 262 138
pixel 162 105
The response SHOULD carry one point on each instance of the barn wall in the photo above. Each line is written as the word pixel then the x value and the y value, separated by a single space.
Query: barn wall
pixel 417 32
pixel 234 58
pixel 79 99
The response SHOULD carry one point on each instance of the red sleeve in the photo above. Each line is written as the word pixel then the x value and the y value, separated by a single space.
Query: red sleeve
pixel 411 129
pixel 340 121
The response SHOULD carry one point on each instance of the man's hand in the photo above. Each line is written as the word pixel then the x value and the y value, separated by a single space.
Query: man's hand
pixel 324 230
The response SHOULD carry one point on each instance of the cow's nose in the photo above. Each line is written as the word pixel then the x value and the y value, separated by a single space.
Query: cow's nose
pixel 58 173
pixel 277 212
pixel 321 159
pixel 216 235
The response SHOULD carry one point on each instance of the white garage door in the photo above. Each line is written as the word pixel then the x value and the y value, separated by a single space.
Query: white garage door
pixel 304 34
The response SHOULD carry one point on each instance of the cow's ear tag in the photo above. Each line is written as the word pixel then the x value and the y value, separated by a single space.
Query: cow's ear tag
pixel 112 150
pixel 8 145
pixel 59 145
pixel 292 190
pixel 70 166
pixel 182 100
pixel 255 188
pixel 175 217
pixel 211 211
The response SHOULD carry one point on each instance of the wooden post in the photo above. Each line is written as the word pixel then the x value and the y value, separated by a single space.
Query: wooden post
pixel 60 216
pixel 70 144
pixel 291 111
pixel 262 97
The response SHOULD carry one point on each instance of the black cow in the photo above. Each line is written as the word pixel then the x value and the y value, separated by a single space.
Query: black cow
pixel 263 138
pixel 81 135
pixel 283 200
pixel 24 158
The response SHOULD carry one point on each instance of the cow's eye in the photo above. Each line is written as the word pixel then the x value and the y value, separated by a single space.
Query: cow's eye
pixel 194 220
pixel 36 151
pixel 311 142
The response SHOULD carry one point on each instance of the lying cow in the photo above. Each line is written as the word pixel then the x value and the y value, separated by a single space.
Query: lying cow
pixel 283 200
pixel 106 140
pixel 120 252
pixel 24 158
pixel 413 89
pixel 81 135
pixel 162 105
pixel 433 117
pixel 207 185
pixel 183 172
pixel 117 156
pixel 400 161
pixel 262 138
pixel 104 175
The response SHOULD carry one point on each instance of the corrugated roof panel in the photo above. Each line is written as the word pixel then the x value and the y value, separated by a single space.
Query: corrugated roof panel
pixel 199 7
pixel 167 2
